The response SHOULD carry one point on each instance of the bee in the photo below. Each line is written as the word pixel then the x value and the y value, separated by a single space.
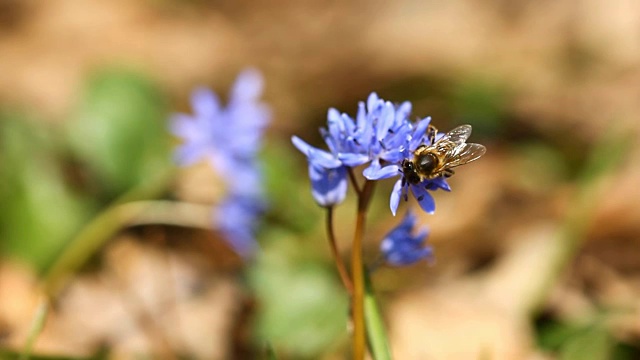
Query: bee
pixel 438 159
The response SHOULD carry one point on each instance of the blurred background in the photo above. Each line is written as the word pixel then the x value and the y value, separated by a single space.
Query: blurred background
pixel 537 246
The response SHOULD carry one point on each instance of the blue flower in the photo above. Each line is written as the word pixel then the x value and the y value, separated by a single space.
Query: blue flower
pixel 229 138
pixel 419 191
pixel 382 136
pixel 400 144
pixel 328 175
pixel 236 217
pixel 352 143
pixel 401 248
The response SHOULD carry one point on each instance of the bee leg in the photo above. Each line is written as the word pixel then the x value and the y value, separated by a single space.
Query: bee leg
pixel 431 133
pixel 447 173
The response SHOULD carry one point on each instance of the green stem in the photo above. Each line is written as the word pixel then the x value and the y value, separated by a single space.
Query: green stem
pixel 344 275
pixel 357 271
pixel 110 222
pixel 36 328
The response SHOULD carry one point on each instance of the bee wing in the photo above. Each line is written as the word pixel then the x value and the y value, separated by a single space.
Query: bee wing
pixel 459 135
pixel 464 154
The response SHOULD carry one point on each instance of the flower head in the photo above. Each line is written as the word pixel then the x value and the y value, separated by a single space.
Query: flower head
pixel 328 175
pixel 413 136
pixel 381 136
pixel 229 138
pixel 401 248
pixel 227 135
pixel 373 135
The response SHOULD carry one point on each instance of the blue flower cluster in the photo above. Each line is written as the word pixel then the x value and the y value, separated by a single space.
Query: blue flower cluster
pixel 229 138
pixel 381 136
pixel 400 247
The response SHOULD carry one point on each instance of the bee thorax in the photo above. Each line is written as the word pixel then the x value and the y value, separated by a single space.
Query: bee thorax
pixel 426 163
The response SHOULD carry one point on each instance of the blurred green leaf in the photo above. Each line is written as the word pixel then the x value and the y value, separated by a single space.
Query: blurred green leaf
pixel 609 152
pixel 539 165
pixel 303 309
pixel 552 334
pixel 120 130
pixel 271 354
pixel 39 212
pixel 589 341
pixel 288 187
pixel 376 333
pixel 593 343
pixel 481 103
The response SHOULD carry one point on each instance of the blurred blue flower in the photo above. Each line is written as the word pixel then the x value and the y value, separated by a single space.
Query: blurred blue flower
pixel 401 248
pixel 229 138
pixel 236 217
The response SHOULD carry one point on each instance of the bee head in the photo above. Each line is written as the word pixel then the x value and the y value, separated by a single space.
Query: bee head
pixel 408 167
pixel 409 172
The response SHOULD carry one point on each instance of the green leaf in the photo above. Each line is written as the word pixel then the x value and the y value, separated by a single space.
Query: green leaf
pixel 271 354
pixel 588 339
pixel 480 102
pixel 376 334
pixel 120 130
pixel 288 188
pixel 39 212
pixel 303 308
pixel 594 343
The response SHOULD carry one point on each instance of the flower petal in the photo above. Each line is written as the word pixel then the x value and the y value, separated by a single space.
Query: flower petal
pixel 328 186
pixel 396 195
pixel 424 198
pixel 334 123
pixel 385 121
pixel 317 156
pixel 438 183
pixel 205 103
pixel 373 101
pixel 403 111
pixel 352 160
pixel 247 87
pixel 419 132
pixel 375 172
pixel 236 219
pixel 400 247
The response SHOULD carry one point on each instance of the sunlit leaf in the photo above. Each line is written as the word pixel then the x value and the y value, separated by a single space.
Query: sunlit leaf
pixel 591 344
pixel 120 130
pixel 39 212
pixel 303 309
